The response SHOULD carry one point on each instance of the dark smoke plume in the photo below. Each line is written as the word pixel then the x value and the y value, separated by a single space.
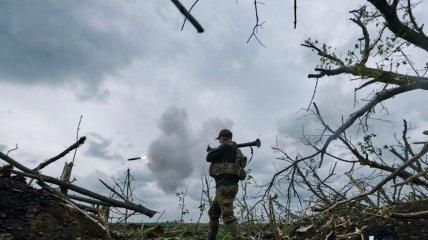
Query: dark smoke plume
pixel 177 151
pixel 169 153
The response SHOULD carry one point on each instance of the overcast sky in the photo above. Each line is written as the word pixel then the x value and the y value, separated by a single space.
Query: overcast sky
pixel 146 88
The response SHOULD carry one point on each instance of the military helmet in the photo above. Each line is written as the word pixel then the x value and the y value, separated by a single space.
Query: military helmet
pixel 224 133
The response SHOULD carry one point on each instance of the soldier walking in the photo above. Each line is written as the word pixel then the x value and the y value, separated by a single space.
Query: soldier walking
pixel 226 170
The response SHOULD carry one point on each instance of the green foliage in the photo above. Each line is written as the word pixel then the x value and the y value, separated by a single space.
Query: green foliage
pixel 182 204
pixel 223 236
pixel 367 146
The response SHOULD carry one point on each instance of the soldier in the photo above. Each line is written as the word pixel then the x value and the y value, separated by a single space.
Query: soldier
pixel 226 170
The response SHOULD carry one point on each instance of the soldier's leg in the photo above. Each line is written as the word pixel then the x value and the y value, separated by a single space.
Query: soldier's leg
pixel 214 215
pixel 226 196
pixel 233 229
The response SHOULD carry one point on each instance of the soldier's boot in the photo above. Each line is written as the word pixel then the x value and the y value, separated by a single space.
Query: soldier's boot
pixel 213 230
pixel 234 231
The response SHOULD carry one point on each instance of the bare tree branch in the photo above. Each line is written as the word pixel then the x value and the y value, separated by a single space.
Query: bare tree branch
pixel 394 24
pixel 188 16
pixel 62 154
pixel 190 9
pixel 423 151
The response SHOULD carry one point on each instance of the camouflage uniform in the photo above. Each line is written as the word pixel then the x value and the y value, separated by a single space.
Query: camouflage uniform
pixel 226 172
pixel 223 205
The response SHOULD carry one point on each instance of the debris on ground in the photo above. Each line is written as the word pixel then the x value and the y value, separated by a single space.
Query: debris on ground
pixel 354 221
pixel 29 213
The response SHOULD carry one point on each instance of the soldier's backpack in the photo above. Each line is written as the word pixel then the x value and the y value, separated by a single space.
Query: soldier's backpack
pixel 241 162
pixel 236 168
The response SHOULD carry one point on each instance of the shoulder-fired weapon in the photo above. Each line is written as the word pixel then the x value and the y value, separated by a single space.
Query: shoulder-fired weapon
pixel 256 143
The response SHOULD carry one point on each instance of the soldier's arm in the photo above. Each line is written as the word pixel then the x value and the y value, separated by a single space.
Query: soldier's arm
pixel 216 153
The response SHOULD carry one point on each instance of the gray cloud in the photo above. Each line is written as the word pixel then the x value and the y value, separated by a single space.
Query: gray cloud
pixel 175 153
pixel 100 147
pixel 52 42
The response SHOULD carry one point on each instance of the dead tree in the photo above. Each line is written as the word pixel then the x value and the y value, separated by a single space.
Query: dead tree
pixel 377 175
pixel 68 167
pixel 123 189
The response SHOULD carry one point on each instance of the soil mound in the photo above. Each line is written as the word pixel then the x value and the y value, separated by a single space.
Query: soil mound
pixel 29 213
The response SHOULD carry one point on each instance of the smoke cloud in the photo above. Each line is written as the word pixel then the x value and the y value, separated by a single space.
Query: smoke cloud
pixel 177 151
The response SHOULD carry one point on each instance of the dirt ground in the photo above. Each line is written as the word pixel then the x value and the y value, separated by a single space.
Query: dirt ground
pixel 28 213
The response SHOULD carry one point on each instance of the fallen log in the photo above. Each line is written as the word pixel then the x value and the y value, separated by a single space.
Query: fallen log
pixel 62 154
pixel 114 191
pixel 421 214
pixel 112 202
pixel 61 197
pixel 34 175
pixel 59 156
pixel 88 200
pixel 86 207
